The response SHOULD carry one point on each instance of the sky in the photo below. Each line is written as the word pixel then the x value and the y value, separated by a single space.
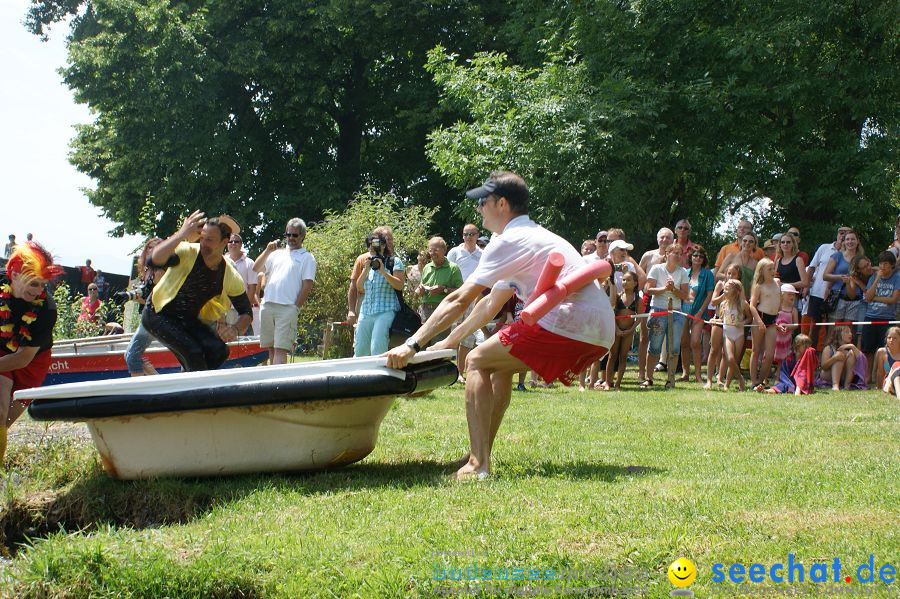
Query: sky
pixel 41 192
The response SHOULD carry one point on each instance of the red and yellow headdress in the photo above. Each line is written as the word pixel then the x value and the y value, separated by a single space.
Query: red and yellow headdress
pixel 32 259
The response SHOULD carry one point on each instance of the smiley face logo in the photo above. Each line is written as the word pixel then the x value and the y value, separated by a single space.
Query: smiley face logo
pixel 682 572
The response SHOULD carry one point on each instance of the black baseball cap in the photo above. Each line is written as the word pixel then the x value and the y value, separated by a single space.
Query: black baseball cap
pixel 490 186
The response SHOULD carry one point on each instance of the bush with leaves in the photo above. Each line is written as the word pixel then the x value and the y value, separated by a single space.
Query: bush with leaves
pixel 67 310
pixel 340 238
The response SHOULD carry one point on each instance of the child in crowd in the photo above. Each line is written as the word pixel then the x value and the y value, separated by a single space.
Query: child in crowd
pixel 887 363
pixel 716 358
pixel 882 295
pixel 734 312
pixel 765 299
pixel 627 305
pixel 842 361
pixel 787 315
pixel 798 370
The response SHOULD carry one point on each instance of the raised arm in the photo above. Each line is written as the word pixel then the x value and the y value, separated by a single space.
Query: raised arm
pixel 191 225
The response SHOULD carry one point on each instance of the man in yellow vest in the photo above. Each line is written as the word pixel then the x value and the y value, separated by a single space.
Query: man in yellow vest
pixel 198 288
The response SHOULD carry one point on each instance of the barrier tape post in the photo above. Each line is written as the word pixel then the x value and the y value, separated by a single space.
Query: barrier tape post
pixel 670 355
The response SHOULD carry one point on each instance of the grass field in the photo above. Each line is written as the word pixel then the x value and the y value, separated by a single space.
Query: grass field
pixel 617 485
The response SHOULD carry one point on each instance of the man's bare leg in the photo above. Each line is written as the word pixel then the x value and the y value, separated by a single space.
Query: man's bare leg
pixel 484 408
pixel 277 356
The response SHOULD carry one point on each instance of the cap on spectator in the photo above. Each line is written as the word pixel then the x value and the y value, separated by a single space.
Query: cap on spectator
pixel 620 244
pixel 602 234
pixel 484 239
pixel 777 236
pixel 788 288
pixel 769 245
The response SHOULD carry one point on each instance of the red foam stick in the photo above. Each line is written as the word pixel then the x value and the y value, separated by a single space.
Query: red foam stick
pixel 563 288
pixel 549 275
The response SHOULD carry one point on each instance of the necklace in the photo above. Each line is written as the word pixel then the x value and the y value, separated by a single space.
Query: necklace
pixel 8 336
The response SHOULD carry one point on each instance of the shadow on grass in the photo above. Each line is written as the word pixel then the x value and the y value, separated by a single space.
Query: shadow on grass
pixel 96 499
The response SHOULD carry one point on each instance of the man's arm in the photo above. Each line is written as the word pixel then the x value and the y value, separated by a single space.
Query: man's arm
pixel 447 312
pixel 482 314
pixel 305 288
pixel 192 224
pixel 259 265
pixel 21 358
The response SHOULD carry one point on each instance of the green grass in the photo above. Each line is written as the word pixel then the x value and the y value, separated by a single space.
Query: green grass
pixel 631 480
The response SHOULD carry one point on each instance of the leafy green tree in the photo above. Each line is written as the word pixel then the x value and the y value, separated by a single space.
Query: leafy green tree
pixel 339 238
pixel 257 109
pixel 645 112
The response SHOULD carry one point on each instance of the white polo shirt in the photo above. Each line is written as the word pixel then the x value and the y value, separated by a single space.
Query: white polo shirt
pixel 244 266
pixel 819 262
pixel 516 257
pixel 285 272
pixel 466 261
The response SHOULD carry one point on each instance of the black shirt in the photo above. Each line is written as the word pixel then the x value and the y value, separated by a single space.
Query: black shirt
pixel 41 330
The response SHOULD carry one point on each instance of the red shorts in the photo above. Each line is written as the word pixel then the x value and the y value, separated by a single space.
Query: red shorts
pixel 31 375
pixel 550 355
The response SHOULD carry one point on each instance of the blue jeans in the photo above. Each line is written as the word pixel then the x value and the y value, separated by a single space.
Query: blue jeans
pixel 134 355
pixel 372 333
pixel 658 329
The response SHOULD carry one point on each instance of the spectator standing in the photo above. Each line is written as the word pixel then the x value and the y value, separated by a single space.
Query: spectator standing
pixel 353 294
pixel 87 276
pixel 795 233
pixel 414 271
pixel 244 265
pixel 195 292
pixel 601 247
pixel 815 309
pixel 717 357
pixel 700 287
pixel 770 250
pixel 89 305
pixel 290 273
pixel 378 282
pixel 765 301
pixel 882 295
pixel 466 256
pixel 627 305
pixel 683 238
pixel 666 282
pixel 439 278
pixel 10 247
pixel 744 227
pixel 787 317
pixel 138 364
pixel 789 265
pixel 837 271
pixel 664 238
pixel 745 259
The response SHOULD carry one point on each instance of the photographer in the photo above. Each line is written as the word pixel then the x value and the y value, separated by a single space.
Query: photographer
pixel 381 276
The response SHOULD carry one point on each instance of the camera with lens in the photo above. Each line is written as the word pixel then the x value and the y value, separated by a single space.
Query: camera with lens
pixel 376 243
pixel 620 267
pixel 139 292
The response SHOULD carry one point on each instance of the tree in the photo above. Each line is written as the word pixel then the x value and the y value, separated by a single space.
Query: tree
pixel 644 112
pixel 259 109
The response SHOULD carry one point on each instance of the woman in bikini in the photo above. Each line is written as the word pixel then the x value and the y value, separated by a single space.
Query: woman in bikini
pixel 765 300
pixel 735 312
pixel 716 357
pixel 627 305
pixel 887 363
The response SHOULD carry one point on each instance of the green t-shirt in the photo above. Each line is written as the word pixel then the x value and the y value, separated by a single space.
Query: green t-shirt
pixel 447 274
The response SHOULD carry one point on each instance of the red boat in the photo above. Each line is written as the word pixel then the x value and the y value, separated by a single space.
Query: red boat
pixel 97 358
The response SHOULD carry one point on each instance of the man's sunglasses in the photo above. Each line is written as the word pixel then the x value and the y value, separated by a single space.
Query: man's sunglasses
pixel 234 242
pixel 470 234
pixel 292 234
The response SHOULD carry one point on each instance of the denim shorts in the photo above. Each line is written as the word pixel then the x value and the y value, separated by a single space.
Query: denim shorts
pixel 658 328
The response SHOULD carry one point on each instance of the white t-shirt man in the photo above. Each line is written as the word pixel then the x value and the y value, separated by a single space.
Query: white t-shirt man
pixel 661 274
pixel 819 262
pixel 516 257
pixel 285 272
pixel 466 261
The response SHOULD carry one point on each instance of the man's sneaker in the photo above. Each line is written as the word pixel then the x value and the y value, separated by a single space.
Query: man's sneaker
pixel 661 367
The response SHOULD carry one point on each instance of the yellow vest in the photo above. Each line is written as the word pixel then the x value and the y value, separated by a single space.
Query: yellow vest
pixel 170 283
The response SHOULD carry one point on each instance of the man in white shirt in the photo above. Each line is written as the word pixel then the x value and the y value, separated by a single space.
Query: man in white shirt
pixel 244 265
pixel 576 332
pixel 664 238
pixel 466 256
pixel 815 304
pixel 290 273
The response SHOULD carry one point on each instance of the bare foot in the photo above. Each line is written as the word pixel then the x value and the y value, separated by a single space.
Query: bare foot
pixel 835 388
pixel 581 388
pixel 604 387
pixel 699 380
pixel 470 472
pixel 708 384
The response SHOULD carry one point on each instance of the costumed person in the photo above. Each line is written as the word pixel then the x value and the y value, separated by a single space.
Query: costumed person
pixel 798 371
pixel 571 335
pixel 196 290
pixel 27 318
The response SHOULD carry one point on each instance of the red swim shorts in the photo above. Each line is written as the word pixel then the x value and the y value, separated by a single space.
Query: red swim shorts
pixel 550 355
pixel 31 375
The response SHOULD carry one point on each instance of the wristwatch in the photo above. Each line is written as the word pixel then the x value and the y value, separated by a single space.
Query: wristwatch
pixel 413 344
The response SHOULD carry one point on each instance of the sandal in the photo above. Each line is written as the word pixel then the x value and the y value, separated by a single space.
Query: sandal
pixel 646 384
pixel 669 385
